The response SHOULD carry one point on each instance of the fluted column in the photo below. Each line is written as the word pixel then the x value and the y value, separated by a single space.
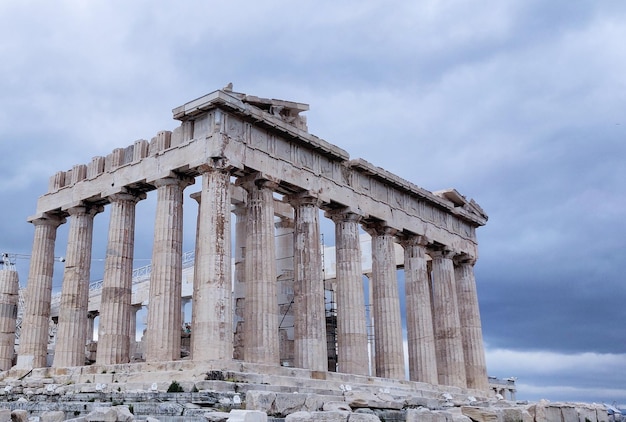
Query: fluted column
pixel 450 360
pixel 73 318
pixel 284 271
pixel 310 348
pixel 115 314
pixel 9 297
pixel 386 304
pixel 196 196
pixel 211 319
pixel 419 319
pixel 471 328
pixel 36 320
pixel 261 309
pixel 371 329
pixel 239 285
pixel 164 320
pixel 352 355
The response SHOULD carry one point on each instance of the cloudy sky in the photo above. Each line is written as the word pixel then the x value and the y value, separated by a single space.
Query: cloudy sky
pixel 518 104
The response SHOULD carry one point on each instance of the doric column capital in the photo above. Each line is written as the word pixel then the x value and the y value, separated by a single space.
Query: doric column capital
pixel 346 215
pixel 379 228
pixel 440 252
pixel 464 259
pixel 46 219
pixel 258 180
pixel 411 239
pixel 127 196
pixel 85 209
pixel 303 198
pixel 182 181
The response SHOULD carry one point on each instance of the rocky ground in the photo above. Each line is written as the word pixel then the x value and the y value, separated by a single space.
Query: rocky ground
pixel 218 391
pixel 252 406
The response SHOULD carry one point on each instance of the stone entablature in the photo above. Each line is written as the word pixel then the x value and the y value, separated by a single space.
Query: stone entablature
pixel 220 125
pixel 256 154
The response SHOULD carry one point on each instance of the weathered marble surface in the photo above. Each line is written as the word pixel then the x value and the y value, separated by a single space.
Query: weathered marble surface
pixel 257 153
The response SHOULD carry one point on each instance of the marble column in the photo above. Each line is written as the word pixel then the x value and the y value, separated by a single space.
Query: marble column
pixel 91 318
pixel 115 312
pixel 36 320
pixel 73 318
pixel 261 309
pixel 471 328
pixel 211 319
pixel 196 196
pixel 284 270
pixel 419 319
pixel 9 297
pixel 386 304
pixel 352 356
pixel 447 326
pixel 310 348
pixel 164 303
pixel 371 329
pixel 132 330
pixel 239 285
pixel 183 304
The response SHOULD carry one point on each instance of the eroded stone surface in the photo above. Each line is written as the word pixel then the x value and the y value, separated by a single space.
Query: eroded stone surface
pixel 265 146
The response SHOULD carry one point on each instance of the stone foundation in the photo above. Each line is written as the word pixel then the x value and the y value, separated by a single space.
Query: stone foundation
pixel 219 391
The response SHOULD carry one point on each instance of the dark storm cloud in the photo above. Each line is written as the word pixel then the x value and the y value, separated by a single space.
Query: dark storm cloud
pixel 559 240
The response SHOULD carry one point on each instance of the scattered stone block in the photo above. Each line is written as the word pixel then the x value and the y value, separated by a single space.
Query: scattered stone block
pixel 102 414
pixel 425 415
pixel 52 416
pixel 336 406
pixel 586 414
pixel 391 415
pixel 601 414
pixel 260 400
pixel 414 401
pixel 363 417
pixel 216 416
pixel 123 414
pixel 458 417
pixel 549 414
pixel 171 409
pixel 478 414
pixel 301 416
pixel 19 415
pixel 569 414
pixel 390 401
pixel 313 402
pixel 239 415
pixel 285 404
pixel 334 416
pixel 356 399
pixel 5 415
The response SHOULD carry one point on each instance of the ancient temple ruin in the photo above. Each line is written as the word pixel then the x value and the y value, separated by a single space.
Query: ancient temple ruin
pixel 257 160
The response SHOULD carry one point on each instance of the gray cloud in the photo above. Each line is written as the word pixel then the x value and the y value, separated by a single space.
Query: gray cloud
pixel 518 105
